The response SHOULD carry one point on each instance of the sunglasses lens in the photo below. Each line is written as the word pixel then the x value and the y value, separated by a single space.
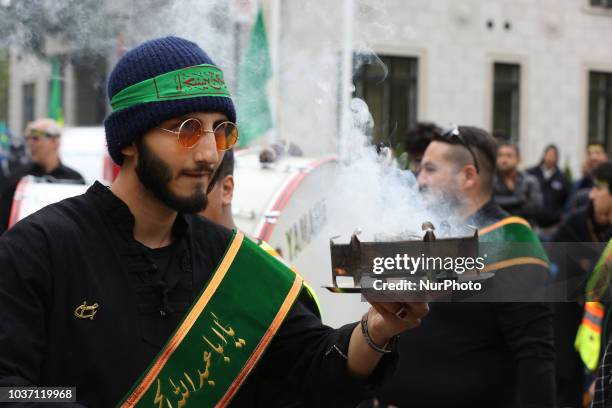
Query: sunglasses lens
pixel 226 135
pixel 190 132
pixel 36 133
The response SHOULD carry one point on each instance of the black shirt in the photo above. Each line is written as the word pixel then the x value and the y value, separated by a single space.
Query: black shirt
pixel 82 249
pixel 477 354
pixel 9 185
pixel 580 226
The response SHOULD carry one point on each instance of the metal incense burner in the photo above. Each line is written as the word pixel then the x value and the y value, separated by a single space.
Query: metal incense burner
pixel 356 259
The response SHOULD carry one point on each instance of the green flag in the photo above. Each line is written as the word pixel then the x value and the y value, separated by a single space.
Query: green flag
pixel 5 140
pixel 255 72
pixel 55 95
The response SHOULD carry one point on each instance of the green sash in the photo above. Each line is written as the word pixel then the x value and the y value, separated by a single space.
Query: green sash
pixel 223 335
pixel 518 245
pixel 311 295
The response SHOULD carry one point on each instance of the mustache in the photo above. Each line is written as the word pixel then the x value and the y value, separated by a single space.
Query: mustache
pixel 203 168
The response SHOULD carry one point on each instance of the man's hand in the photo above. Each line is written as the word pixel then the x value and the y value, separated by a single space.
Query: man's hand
pixel 386 320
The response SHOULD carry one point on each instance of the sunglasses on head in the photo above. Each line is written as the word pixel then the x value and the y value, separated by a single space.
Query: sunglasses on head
pixel 453 136
pixel 191 131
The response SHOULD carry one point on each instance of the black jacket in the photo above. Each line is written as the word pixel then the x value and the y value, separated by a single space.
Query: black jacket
pixel 9 185
pixel 580 226
pixel 82 249
pixel 577 230
pixel 524 201
pixel 555 192
pixel 579 194
pixel 477 354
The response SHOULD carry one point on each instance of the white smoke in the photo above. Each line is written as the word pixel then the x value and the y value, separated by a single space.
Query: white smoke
pixel 371 193
pixel 367 192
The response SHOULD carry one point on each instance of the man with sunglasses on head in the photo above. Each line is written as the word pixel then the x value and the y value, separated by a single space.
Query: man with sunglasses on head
pixel 131 297
pixel 476 354
pixel 42 139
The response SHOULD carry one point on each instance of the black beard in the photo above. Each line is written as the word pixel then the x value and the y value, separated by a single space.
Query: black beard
pixel 155 175
pixel 441 201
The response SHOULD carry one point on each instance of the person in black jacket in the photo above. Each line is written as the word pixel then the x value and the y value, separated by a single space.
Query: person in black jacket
pixel 42 139
pixel 590 223
pixel 555 191
pixel 219 208
pixel 473 354
pixel 515 191
pixel 138 255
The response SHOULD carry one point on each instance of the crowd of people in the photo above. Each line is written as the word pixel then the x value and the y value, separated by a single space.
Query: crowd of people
pixel 119 291
pixel 560 210
pixel 543 194
pixel 114 290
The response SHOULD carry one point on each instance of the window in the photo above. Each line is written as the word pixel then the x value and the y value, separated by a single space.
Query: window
pixel 28 103
pixel 506 100
pixel 600 108
pixel 389 87
pixel 602 3
pixel 90 78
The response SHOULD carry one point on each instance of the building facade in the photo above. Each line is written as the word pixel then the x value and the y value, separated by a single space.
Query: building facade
pixel 535 72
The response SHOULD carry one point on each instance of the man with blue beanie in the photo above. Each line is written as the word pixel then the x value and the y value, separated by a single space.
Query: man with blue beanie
pixel 129 296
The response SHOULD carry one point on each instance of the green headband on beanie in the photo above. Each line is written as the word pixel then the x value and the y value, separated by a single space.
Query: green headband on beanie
pixel 190 82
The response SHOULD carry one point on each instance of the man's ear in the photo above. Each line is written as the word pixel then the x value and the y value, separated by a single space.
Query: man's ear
pixel 227 189
pixel 130 150
pixel 56 143
pixel 470 176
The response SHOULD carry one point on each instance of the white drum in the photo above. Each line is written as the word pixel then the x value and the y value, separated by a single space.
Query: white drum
pixel 32 194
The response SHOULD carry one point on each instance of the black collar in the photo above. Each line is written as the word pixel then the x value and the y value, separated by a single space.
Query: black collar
pixel 38 171
pixel 121 217
pixel 487 215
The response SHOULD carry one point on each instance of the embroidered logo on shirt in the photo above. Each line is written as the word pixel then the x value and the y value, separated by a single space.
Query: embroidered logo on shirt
pixel 86 312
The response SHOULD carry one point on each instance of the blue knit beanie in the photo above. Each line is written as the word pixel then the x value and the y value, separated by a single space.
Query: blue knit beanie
pixel 148 60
